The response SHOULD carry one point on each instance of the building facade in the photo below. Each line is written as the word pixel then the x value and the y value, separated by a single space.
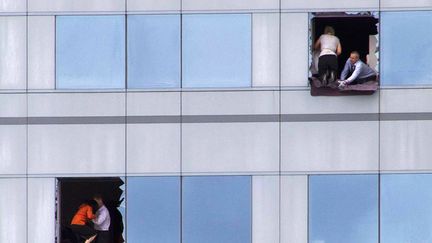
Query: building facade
pixel 201 111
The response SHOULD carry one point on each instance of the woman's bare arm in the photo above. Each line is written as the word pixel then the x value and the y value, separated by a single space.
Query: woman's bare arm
pixel 317 44
pixel 339 49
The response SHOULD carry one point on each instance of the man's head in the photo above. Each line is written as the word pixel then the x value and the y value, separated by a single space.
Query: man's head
pixel 354 57
pixel 99 199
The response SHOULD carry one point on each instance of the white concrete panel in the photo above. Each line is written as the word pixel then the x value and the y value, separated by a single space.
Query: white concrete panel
pixel 153 103
pixel 13 58
pixel 230 5
pixel 153 5
pixel 76 104
pixel 331 5
pixel 13 149
pixel 402 4
pixel 153 148
pixel 13 5
pixel 41 53
pixel 301 102
pixel 13 105
pixel 294 49
pixel 41 210
pixel 68 149
pixel 405 145
pixel 330 146
pixel 230 147
pixel 294 209
pixel 13 208
pixel 265 50
pixel 265 202
pixel 230 103
pixel 75 5
pixel 406 100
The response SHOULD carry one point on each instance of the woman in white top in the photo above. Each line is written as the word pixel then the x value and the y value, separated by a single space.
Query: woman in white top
pixel 330 47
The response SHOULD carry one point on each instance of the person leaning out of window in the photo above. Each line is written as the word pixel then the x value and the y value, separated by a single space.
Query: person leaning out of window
pixel 330 47
pixel 356 72
pixel 80 220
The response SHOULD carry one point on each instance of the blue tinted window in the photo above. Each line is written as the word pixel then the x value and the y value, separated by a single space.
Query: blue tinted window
pixel 343 209
pixel 217 209
pixel 406 208
pixel 153 209
pixel 217 50
pixel 90 52
pixel 406 48
pixel 153 51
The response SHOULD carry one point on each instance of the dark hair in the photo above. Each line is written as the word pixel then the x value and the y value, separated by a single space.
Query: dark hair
pixel 98 196
pixel 93 204
pixel 356 53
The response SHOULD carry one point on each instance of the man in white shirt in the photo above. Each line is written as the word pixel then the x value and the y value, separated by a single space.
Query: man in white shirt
pixel 356 72
pixel 102 221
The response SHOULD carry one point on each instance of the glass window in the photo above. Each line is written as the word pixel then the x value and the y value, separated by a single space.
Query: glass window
pixel 153 51
pixel 90 52
pixel 343 208
pixel 406 39
pixel 153 213
pixel 406 208
pixel 217 50
pixel 217 209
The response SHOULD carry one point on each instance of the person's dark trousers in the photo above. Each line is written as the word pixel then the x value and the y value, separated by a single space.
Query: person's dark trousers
pixel 82 231
pixel 326 65
pixel 103 237
pixel 364 80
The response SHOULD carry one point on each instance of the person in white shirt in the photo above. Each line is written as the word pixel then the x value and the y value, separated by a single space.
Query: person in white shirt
pixel 102 221
pixel 330 47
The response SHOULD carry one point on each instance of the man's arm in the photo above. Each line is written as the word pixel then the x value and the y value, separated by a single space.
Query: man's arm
pixel 355 74
pixel 344 73
pixel 100 217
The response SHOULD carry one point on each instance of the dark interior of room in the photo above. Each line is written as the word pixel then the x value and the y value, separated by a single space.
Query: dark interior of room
pixel 353 31
pixel 72 192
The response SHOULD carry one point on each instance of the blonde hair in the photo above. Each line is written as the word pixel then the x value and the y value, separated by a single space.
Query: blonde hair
pixel 329 30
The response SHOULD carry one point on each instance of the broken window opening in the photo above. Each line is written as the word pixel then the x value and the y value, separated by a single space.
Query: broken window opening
pixel 72 192
pixel 356 32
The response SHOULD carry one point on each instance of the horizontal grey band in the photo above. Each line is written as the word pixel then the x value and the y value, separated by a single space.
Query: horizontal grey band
pixel 13 120
pixel 229 118
pixel 330 117
pixel 153 119
pixel 214 118
pixel 77 120
pixel 405 116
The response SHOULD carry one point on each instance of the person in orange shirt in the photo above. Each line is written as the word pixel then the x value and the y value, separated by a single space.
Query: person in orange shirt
pixel 80 220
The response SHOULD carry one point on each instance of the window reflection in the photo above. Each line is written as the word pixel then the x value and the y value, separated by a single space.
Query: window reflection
pixel 216 50
pixel 406 48
pixel 343 208
pixel 90 52
pixel 217 209
pixel 406 208
pixel 154 51
pixel 153 209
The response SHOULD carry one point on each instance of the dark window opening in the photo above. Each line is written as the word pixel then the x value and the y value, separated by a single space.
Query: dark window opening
pixel 72 192
pixel 356 32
